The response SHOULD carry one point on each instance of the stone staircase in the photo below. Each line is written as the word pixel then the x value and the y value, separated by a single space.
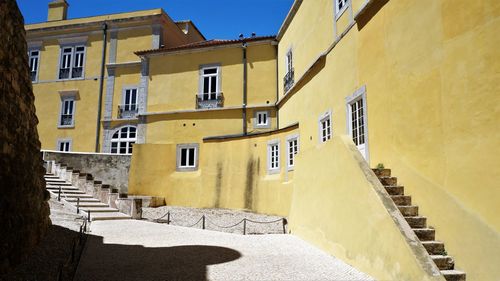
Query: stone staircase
pixel 436 249
pixel 80 192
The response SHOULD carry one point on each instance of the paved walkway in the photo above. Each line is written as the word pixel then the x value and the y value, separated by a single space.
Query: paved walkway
pixel 139 250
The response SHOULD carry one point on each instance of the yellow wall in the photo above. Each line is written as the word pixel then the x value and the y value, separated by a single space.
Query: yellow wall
pixel 430 69
pixel 232 174
pixel 347 212
pixel 131 40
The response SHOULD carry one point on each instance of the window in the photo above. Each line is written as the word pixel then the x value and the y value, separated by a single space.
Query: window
pixel 292 150
pixel 129 107
pixel 67 117
pixel 288 80
pixel 187 157
pixel 34 60
pixel 340 6
pixel 262 119
pixel 72 61
pixel 64 145
pixel 273 156
pixel 325 127
pixel 357 125
pixel 123 139
pixel 210 83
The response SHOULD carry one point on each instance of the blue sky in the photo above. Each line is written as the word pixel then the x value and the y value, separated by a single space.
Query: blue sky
pixel 221 19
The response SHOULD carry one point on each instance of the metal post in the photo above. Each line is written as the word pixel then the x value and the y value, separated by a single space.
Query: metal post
pixel 168 217
pixel 203 221
pixel 284 226
pixel 59 196
pixel 78 205
pixel 245 226
pixel 88 215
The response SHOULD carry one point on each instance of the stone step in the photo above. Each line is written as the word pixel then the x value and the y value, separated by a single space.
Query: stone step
pixel 425 234
pixel 64 187
pixel 388 180
pixel 382 172
pixel 395 189
pixel 67 192
pixel 401 200
pixel 417 222
pixel 86 199
pixel 58 183
pixel 99 209
pixel 453 275
pixel 108 216
pixel 57 179
pixel 78 195
pixel 434 247
pixel 408 211
pixel 51 177
pixel 443 262
pixel 91 204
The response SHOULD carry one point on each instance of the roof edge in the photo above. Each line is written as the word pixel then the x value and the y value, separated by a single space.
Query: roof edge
pixel 289 17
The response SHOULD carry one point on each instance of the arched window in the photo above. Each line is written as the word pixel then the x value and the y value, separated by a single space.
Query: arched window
pixel 123 139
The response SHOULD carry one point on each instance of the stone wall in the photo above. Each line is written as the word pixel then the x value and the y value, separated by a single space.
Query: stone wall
pixel 111 169
pixel 24 211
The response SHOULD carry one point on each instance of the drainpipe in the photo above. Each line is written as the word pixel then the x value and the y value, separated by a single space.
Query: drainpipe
pixel 245 72
pixel 101 85
pixel 278 80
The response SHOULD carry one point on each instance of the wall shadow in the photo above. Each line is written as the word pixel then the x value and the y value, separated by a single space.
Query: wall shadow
pixel 135 262
pixel 370 12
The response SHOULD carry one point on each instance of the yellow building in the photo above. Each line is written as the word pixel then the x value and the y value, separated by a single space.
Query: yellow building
pixel 291 124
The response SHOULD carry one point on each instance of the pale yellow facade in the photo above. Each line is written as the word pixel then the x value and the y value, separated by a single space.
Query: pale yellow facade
pixel 427 74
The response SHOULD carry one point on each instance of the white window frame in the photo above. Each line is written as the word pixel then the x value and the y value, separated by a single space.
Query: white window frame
pixel 33 57
pixel 329 134
pixel 273 157
pixel 359 94
pixel 129 141
pixel 124 96
pixel 262 125
pixel 196 151
pixel 71 61
pixel 218 80
pixel 290 155
pixel 62 111
pixel 340 10
pixel 68 143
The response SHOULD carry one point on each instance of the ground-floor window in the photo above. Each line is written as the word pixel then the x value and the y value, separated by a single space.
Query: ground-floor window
pixel 292 150
pixel 123 139
pixel 273 156
pixel 187 157
pixel 357 120
pixel 325 127
pixel 64 145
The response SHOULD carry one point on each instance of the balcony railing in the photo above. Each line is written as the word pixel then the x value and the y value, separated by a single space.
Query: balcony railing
pixel 66 119
pixel 288 80
pixel 127 111
pixel 210 100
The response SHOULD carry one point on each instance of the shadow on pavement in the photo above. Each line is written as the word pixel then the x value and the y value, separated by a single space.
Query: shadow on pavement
pixel 135 262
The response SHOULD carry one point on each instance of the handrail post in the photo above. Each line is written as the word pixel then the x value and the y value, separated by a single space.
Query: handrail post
pixel 78 205
pixel 88 215
pixel 59 195
pixel 168 217
pixel 203 221
pixel 284 225
pixel 244 226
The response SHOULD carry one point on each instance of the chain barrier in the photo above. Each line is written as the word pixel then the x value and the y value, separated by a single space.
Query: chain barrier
pixel 204 220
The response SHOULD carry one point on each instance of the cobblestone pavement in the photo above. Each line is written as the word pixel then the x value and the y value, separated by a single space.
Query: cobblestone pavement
pixel 141 250
pixel 223 220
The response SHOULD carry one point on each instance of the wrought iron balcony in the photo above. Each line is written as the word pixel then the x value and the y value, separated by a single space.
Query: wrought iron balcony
pixel 288 80
pixel 66 119
pixel 209 100
pixel 127 111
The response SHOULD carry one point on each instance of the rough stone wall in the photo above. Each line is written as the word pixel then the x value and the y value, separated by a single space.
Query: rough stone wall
pixel 108 168
pixel 24 211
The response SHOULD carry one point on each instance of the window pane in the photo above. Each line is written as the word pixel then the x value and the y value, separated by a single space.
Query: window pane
pixel 210 70
pixel 206 81
pixel 183 157
pixel 213 84
pixel 191 157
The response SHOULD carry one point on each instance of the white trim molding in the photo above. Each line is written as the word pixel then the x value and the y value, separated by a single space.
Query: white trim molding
pixel 289 140
pixel 273 157
pixel 328 130
pixel 359 94
pixel 188 147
